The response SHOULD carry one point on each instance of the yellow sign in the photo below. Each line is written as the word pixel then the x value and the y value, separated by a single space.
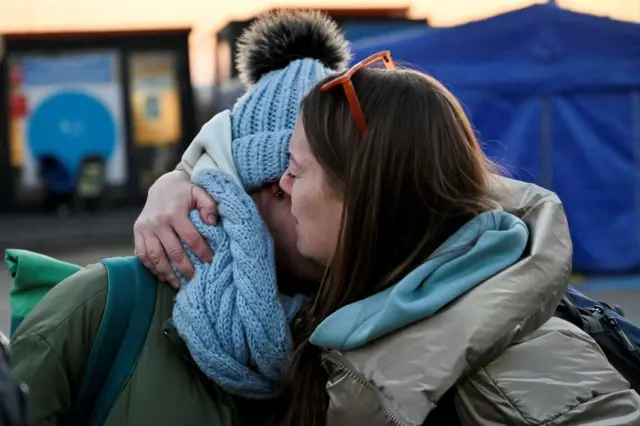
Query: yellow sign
pixel 155 102
pixel 16 139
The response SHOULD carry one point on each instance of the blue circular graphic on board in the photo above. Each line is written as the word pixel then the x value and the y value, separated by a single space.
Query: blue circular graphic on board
pixel 71 126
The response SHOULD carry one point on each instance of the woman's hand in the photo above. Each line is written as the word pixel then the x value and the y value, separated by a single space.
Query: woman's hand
pixel 164 221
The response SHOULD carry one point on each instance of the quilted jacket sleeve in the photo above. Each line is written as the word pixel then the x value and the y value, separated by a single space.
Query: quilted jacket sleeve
pixel 558 376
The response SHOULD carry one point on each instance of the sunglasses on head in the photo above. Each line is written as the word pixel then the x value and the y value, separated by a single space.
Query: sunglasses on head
pixel 350 92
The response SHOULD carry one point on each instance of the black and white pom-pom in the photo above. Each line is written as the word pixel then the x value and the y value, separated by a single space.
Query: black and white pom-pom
pixel 276 39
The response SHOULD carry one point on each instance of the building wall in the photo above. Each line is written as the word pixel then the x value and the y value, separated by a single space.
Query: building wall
pixel 207 16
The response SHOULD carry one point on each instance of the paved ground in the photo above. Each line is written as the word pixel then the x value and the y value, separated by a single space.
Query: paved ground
pixel 628 299
pixel 41 232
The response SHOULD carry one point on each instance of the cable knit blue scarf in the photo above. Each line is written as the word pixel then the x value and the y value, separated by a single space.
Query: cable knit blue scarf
pixel 230 314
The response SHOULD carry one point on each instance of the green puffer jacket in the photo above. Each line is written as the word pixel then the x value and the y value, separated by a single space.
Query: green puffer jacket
pixel 166 388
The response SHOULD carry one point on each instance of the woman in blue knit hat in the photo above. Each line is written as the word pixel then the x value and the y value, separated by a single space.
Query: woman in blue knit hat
pixel 226 334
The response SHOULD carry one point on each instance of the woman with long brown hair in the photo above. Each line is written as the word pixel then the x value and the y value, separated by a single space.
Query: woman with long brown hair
pixel 441 278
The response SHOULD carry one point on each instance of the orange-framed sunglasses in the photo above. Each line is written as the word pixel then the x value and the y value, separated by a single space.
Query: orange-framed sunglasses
pixel 350 91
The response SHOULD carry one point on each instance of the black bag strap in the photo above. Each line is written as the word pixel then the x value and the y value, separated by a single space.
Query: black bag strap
pixel 568 311
pixel 585 320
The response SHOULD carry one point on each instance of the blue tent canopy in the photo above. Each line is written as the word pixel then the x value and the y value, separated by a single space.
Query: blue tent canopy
pixel 358 30
pixel 541 48
pixel 555 98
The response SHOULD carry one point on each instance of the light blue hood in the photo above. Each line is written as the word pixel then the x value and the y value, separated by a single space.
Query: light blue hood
pixel 483 247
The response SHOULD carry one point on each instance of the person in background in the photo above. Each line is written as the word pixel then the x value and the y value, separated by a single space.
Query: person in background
pixel 206 349
pixel 13 394
pixel 441 278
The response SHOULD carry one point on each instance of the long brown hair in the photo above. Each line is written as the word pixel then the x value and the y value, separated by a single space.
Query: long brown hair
pixel 415 177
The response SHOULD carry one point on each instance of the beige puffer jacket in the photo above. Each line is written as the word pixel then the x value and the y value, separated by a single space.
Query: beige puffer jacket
pixel 498 347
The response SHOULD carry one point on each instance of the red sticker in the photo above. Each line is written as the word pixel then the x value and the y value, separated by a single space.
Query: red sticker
pixel 18 106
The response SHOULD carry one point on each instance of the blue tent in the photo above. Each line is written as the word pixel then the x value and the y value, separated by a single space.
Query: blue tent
pixel 538 48
pixel 356 30
pixel 555 98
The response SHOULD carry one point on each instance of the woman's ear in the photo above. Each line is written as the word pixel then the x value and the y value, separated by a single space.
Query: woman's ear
pixel 266 195
pixel 275 190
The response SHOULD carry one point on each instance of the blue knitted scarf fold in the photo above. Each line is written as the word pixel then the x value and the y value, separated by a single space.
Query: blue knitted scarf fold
pixel 230 314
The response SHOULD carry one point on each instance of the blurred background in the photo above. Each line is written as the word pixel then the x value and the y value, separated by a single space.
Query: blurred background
pixel 98 99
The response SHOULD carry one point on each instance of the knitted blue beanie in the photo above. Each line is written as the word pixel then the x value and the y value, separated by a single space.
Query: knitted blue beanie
pixel 281 57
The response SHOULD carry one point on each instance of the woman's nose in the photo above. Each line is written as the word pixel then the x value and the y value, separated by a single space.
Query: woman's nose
pixel 286 182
